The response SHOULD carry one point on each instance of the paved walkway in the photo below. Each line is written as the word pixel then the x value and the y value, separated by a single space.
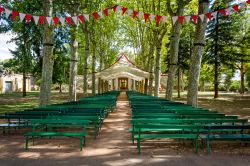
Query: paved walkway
pixel 112 147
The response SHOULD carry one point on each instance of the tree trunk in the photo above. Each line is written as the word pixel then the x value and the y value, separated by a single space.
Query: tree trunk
pixel 60 88
pixel 151 68
pixel 73 66
pixel 24 83
pixel 174 49
pixel 178 83
pixel 242 79
pixel 93 69
pixel 48 61
pixel 216 63
pixel 199 43
pixel 157 66
pixel 85 72
pixel 146 86
pixel 100 69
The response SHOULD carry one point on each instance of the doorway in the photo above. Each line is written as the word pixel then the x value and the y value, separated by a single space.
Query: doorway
pixel 123 83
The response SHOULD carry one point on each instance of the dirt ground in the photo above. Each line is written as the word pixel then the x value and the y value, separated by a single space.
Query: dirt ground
pixel 113 147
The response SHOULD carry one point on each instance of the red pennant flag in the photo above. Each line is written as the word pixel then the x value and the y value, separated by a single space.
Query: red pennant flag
pixel 135 13
pixel 181 19
pixel 223 12
pixel 14 15
pixel 69 20
pixel 114 8
pixel 124 10
pixel 195 18
pixel 42 19
pixel 146 16
pixel 28 17
pixel 56 20
pixel 236 8
pixel 209 16
pixel 81 18
pixel 248 2
pixel 95 15
pixel 158 19
pixel 106 12
pixel 1 9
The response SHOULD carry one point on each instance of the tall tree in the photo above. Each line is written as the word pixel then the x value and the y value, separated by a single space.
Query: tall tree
pixel 174 44
pixel 48 60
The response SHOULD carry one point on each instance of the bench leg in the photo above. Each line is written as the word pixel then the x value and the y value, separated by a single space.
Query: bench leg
pixel 84 141
pixel 95 132
pixel 81 143
pixel 196 146
pixel 26 142
pixel 33 140
pixel 208 146
pixel 139 146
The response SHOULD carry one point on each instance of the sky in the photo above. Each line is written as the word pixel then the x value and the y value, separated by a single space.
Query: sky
pixel 4 46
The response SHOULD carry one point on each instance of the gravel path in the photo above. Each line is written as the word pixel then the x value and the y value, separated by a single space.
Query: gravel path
pixel 112 147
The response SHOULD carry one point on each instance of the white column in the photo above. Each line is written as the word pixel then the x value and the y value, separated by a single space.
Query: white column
pixel 116 84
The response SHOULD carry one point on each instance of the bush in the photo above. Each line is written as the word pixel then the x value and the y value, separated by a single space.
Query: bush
pixel 235 86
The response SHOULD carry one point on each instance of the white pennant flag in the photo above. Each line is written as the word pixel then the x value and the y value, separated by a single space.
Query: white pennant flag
pixel 75 20
pixel 62 20
pixel 152 17
pixel 201 17
pixel 242 5
pixel 22 16
pixel 130 11
pixel 86 16
pixel 164 18
pixel 174 19
pixel 7 12
pixel 187 18
pixel 140 14
pixel 229 11
pixel 100 13
pixel 214 14
pixel 49 19
pixel 118 8
pixel 36 19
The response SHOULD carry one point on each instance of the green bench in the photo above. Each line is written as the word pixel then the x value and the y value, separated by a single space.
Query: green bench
pixel 49 124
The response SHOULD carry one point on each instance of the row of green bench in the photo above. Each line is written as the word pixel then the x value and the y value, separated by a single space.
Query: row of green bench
pixel 167 119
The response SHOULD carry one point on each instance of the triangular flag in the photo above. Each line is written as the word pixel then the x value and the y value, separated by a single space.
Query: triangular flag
pixel 114 8
pixel 146 16
pixel 202 17
pixel 36 19
pixel 158 19
pixel 215 14
pixel 229 11
pixel 95 15
pixel 236 8
pixel 135 13
pixel 49 20
pixel 100 13
pixel 248 2
pixel 56 20
pixel 181 18
pixel 164 18
pixel 140 15
pixel 42 19
pixel 152 17
pixel 28 17
pixel 75 20
pixel 242 5
pixel 223 12
pixel 81 18
pixel 124 9
pixel 14 15
pixel 62 20
pixel 22 16
pixel 174 19
pixel 106 12
pixel 187 18
pixel 209 16
pixel 68 20
pixel 130 11
pixel 7 13
pixel 118 8
pixel 86 16
pixel 195 18
pixel 1 9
